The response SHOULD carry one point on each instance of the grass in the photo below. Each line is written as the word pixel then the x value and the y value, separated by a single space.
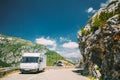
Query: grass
pixel 91 78
pixel 53 57
pixel 8 73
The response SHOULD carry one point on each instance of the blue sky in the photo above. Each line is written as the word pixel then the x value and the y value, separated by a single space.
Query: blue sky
pixel 57 21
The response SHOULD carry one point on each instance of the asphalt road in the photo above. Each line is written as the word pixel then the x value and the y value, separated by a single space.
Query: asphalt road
pixel 51 74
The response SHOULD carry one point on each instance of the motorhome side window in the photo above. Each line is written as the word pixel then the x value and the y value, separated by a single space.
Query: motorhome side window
pixel 30 59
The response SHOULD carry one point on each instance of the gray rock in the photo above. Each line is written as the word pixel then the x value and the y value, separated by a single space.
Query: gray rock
pixel 102 48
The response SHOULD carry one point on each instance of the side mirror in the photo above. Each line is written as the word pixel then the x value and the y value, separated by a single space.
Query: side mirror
pixel 41 59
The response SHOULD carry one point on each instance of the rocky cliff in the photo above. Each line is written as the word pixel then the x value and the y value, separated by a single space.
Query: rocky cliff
pixel 99 42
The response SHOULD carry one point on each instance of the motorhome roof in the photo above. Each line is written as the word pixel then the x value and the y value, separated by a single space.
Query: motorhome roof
pixel 32 54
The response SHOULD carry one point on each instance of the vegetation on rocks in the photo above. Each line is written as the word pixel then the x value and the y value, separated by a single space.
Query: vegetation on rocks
pixel 112 2
pixel 99 21
pixel 101 46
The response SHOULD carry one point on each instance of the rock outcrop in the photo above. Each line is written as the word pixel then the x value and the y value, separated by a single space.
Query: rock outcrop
pixel 99 42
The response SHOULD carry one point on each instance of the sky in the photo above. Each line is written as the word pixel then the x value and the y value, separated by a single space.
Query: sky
pixel 53 23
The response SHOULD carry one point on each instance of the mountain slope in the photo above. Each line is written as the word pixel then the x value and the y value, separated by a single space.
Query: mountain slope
pixel 12 48
pixel 53 57
pixel 99 42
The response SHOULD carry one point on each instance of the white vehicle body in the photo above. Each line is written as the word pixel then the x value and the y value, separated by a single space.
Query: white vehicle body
pixel 33 62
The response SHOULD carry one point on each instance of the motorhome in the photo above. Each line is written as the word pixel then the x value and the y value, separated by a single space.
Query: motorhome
pixel 33 62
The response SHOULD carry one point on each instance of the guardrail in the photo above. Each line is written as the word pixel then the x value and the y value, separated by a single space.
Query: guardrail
pixel 6 70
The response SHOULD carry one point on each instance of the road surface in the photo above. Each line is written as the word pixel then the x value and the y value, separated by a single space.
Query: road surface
pixel 51 74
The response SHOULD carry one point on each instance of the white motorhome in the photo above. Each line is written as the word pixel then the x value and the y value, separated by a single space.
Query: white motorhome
pixel 33 62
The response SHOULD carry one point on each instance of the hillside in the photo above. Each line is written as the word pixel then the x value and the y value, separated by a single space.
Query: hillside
pixel 53 57
pixel 99 43
pixel 12 48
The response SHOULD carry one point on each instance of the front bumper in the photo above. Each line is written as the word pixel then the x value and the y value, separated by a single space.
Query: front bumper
pixel 28 70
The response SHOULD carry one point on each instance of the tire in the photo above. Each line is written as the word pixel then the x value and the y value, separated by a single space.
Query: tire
pixel 43 70
pixel 22 72
pixel 38 70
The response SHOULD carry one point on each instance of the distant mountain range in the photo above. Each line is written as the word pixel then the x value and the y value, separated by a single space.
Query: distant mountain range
pixel 12 48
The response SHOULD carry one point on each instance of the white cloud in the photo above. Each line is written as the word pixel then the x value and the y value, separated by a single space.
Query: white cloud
pixel 66 47
pixel 73 54
pixel 44 41
pixel 62 39
pixel 50 43
pixel 103 5
pixel 90 10
pixel 70 53
pixel 70 45
pixel 53 47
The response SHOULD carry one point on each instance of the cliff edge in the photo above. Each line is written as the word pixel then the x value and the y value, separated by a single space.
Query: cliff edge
pixel 99 42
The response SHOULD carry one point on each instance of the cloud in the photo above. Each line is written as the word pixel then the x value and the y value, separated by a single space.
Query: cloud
pixel 70 52
pixel 44 41
pixel 63 46
pixel 90 10
pixel 62 39
pixel 53 47
pixel 73 53
pixel 50 43
pixel 70 45
pixel 103 5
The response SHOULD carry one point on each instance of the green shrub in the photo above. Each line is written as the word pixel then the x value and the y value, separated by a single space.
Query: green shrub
pixel 100 21
pixel 85 32
pixel 3 64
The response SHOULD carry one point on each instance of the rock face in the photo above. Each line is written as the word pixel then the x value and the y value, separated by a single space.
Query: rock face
pixel 99 42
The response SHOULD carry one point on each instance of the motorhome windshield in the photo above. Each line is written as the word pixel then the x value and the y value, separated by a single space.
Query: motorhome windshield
pixel 30 59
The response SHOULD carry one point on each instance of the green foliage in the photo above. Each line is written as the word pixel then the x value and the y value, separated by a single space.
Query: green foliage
pixel 85 32
pixel 3 64
pixel 105 15
pixel 100 21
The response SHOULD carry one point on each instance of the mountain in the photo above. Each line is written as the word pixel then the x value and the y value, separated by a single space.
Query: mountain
pixel 53 57
pixel 99 42
pixel 12 48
